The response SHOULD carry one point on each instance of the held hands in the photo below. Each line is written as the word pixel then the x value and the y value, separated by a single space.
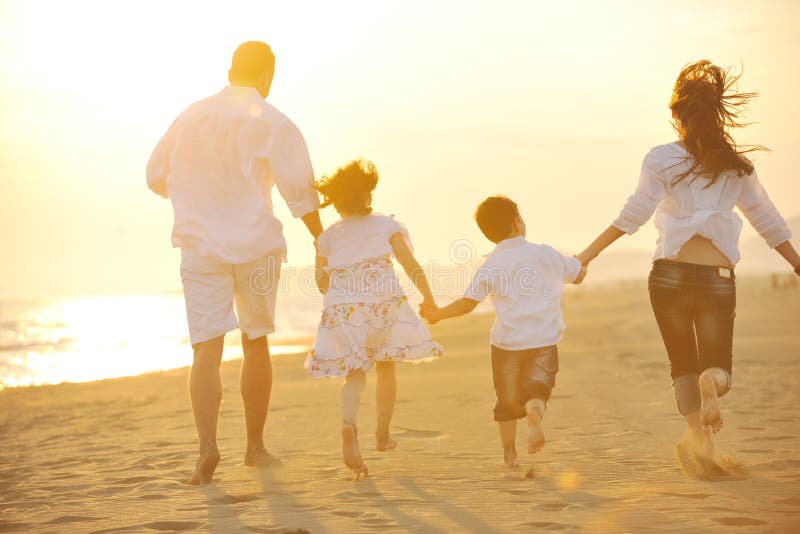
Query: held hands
pixel 430 311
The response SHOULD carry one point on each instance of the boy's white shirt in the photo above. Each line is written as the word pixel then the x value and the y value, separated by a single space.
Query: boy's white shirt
pixel 525 282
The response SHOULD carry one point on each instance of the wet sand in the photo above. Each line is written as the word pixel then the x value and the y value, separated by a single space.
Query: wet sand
pixel 110 456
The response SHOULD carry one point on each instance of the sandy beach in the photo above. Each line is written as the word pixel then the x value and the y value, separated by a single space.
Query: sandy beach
pixel 110 456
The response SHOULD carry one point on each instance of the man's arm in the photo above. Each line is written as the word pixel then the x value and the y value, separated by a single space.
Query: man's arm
pixel 312 222
pixel 291 168
pixel 158 165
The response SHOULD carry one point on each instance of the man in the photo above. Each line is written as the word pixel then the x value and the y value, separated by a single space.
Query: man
pixel 217 163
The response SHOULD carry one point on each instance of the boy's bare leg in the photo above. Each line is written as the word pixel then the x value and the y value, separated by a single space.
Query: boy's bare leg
pixel 205 390
pixel 508 436
pixel 536 409
pixel 385 395
pixel 350 397
pixel 255 383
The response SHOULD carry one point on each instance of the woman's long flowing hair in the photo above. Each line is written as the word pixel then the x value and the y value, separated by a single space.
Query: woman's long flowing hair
pixel 706 104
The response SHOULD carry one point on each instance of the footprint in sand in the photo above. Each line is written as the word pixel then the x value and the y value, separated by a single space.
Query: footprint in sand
pixel 546 525
pixel 345 513
pixel 416 433
pixel 73 519
pixel 739 521
pixel 554 506
pixel 172 525
pixel 697 496
pixel 235 499
pixel 795 501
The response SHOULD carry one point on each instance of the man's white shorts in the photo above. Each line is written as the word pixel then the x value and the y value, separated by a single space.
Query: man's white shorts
pixel 210 289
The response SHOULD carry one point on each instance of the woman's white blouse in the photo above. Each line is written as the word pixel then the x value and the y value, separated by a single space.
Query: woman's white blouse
pixel 689 207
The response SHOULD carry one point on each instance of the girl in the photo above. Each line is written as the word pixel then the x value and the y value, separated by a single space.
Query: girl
pixel 366 318
pixel 692 185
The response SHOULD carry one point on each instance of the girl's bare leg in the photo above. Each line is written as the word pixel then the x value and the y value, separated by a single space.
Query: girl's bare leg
pixel 350 397
pixel 385 395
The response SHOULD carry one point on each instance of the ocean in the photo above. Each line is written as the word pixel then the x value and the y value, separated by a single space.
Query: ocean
pixel 95 337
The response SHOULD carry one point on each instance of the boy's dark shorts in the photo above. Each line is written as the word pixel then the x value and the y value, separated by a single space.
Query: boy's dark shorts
pixel 522 375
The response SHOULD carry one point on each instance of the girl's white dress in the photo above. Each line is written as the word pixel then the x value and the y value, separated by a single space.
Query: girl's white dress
pixel 366 316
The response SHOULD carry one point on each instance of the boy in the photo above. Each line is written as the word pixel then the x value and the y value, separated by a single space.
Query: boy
pixel 525 282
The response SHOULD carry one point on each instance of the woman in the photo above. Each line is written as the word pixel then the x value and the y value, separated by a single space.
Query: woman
pixel 692 186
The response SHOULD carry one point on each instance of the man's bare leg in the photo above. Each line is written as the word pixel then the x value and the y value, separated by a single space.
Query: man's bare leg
pixel 508 436
pixel 255 383
pixel 205 390
pixel 385 395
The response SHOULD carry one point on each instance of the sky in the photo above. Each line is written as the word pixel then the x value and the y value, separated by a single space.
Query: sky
pixel 551 103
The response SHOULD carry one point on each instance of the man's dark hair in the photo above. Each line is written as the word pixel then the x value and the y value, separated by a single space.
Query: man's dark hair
pixel 251 60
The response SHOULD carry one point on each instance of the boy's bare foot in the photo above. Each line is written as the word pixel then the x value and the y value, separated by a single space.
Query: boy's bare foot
pixel 384 443
pixel 351 454
pixel 260 458
pixel 535 433
pixel 510 457
pixel 710 415
pixel 206 464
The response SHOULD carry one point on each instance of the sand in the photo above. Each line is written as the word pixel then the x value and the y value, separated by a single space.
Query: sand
pixel 110 456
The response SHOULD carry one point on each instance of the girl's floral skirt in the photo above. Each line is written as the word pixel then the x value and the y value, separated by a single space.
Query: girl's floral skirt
pixel 356 335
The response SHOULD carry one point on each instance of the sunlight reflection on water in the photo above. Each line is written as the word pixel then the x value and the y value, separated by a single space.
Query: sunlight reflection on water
pixel 90 338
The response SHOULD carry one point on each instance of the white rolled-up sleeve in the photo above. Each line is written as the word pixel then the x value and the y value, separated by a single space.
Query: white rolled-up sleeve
pixel 641 205
pixel 481 285
pixel 761 212
pixel 291 169
pixel 159 164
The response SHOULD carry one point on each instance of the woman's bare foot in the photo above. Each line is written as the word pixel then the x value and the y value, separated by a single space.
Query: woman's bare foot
pixel 351 454
pixel 384 443
pixel 535 433
pixel 206 464
pixel 710 415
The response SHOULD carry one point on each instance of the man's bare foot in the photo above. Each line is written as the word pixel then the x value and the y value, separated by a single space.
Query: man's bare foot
pixel 535 433
pixel 384 443
pixel 710 415
pixel 510 457
pixel 351 454
pixel 260 458
pixel 206 464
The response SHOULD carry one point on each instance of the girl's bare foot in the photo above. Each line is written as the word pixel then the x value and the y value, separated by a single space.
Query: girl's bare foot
pixel 384 443
pixel 535 433
pixel 351 454
pixel 260 458
pixel 710 415
pixel 206 464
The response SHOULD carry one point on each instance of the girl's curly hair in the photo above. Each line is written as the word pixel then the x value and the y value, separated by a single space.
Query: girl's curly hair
pixel 706 105
pixel 349 188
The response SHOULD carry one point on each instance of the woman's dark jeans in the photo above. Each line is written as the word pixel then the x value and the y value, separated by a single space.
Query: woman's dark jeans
pixel 694 307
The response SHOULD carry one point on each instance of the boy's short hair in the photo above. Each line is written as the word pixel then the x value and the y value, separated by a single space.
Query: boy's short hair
pixel 495 216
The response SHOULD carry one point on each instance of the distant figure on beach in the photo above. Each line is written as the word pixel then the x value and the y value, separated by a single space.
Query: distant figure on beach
pixel 692 185
pixel 217 163
pixel 366 319
pixel 525 282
